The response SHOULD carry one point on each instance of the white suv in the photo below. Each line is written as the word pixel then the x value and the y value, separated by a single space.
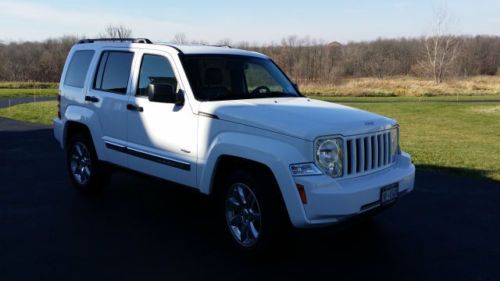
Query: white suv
pixel 230 123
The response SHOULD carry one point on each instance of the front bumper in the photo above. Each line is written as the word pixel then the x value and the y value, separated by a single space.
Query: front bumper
pixel 332 200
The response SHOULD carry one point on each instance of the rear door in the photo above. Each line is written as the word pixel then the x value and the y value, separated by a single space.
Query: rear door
pixel 109 96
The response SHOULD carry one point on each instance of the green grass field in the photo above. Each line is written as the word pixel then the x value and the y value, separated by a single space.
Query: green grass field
pixel 28 85
pixel 38 112
pixel 459 138
pixel 27 89
pixel 22 93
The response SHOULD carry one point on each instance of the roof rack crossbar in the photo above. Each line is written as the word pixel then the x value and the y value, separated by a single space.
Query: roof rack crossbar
pixel 131 40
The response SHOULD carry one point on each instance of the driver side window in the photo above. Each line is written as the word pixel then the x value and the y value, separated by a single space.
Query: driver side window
pixel 155 69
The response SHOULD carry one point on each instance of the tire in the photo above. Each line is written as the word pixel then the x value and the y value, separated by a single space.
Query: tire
pixel 85 171
pixel 253 211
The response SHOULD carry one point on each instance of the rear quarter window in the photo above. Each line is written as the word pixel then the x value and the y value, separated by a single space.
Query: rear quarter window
pixel 78 68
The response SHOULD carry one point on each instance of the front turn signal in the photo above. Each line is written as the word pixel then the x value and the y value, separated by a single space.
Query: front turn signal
pixel 302 193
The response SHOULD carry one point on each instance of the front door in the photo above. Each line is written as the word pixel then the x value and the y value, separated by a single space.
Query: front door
pixel 161 136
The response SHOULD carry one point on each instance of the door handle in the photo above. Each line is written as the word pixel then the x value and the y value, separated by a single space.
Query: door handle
pixel 133 107
pixel 91 99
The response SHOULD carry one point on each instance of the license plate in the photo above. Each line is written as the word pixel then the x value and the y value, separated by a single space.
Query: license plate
pixel 389 194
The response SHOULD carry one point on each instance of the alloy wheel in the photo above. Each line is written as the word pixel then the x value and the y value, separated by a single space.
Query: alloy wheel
pixel 80 163
pixel 243 214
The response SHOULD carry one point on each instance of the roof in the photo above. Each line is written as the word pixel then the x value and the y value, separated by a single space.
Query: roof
pixel 208 49
pixel 185 49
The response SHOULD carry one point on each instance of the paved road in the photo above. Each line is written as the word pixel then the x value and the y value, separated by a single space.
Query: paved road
pixel 143 229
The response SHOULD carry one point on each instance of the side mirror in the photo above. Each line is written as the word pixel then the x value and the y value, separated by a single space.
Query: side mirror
pixel 164 93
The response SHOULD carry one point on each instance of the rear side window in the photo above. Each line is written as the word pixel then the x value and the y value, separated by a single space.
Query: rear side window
pixel 78 68
pixel 114 72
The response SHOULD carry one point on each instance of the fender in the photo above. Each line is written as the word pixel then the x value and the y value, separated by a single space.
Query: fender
pixel 275 154
pixel 90 119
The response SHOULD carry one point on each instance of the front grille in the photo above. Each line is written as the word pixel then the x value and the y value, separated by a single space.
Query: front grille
pixel 364 154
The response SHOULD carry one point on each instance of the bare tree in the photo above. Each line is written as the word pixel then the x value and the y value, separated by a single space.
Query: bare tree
pixel 440 49
pixel 180 38
pixel 224 42
pixel 116 31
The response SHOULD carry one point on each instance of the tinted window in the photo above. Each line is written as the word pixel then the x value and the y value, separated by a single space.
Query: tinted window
pixel 257 75
pixel 78 68
pixel 155 69
pixel 114 71
pixel 226 77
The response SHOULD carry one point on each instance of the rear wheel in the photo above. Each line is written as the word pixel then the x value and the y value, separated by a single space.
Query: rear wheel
pixel 85 171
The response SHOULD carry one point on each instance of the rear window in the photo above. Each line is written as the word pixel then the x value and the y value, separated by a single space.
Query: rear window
pixel 114 72
pixel 78 68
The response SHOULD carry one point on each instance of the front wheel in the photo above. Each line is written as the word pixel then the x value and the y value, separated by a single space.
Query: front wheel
pixel 253 211
pixel 243 215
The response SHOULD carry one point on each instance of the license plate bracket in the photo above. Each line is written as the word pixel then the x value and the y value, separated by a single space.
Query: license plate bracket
pixel 389 194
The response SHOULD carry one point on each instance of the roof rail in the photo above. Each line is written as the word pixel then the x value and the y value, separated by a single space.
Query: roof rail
pixel 177 49
pixel 131 40
pixel 218 45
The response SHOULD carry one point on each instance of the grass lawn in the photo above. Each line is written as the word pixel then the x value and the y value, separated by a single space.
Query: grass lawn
pixel 28 89
pixel 22 93
pixel 28 85
pixel 39 112
pixel 455 137
pixel 458 137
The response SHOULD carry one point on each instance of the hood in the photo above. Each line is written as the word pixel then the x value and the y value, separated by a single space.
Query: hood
pixel 298 117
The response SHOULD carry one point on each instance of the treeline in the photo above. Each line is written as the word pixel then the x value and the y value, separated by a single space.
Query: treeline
pixel 305 60
pixel 34 61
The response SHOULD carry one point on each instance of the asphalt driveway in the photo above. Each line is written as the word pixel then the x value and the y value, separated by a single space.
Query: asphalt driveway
pixel 144 229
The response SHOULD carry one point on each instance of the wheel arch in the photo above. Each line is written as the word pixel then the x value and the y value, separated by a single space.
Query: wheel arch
pixel 79 118
pixel 228 162
pixel 73 127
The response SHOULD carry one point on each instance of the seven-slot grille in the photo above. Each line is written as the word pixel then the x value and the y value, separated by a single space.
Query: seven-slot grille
pixel 367 153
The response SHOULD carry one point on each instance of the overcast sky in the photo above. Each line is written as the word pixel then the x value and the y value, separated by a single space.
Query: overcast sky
pixel 260 21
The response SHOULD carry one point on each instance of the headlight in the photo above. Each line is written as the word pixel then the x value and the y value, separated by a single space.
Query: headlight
pixel 329 156
pixel 395 141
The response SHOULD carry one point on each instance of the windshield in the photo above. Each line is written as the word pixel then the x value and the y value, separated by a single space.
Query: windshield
pixel 226 77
